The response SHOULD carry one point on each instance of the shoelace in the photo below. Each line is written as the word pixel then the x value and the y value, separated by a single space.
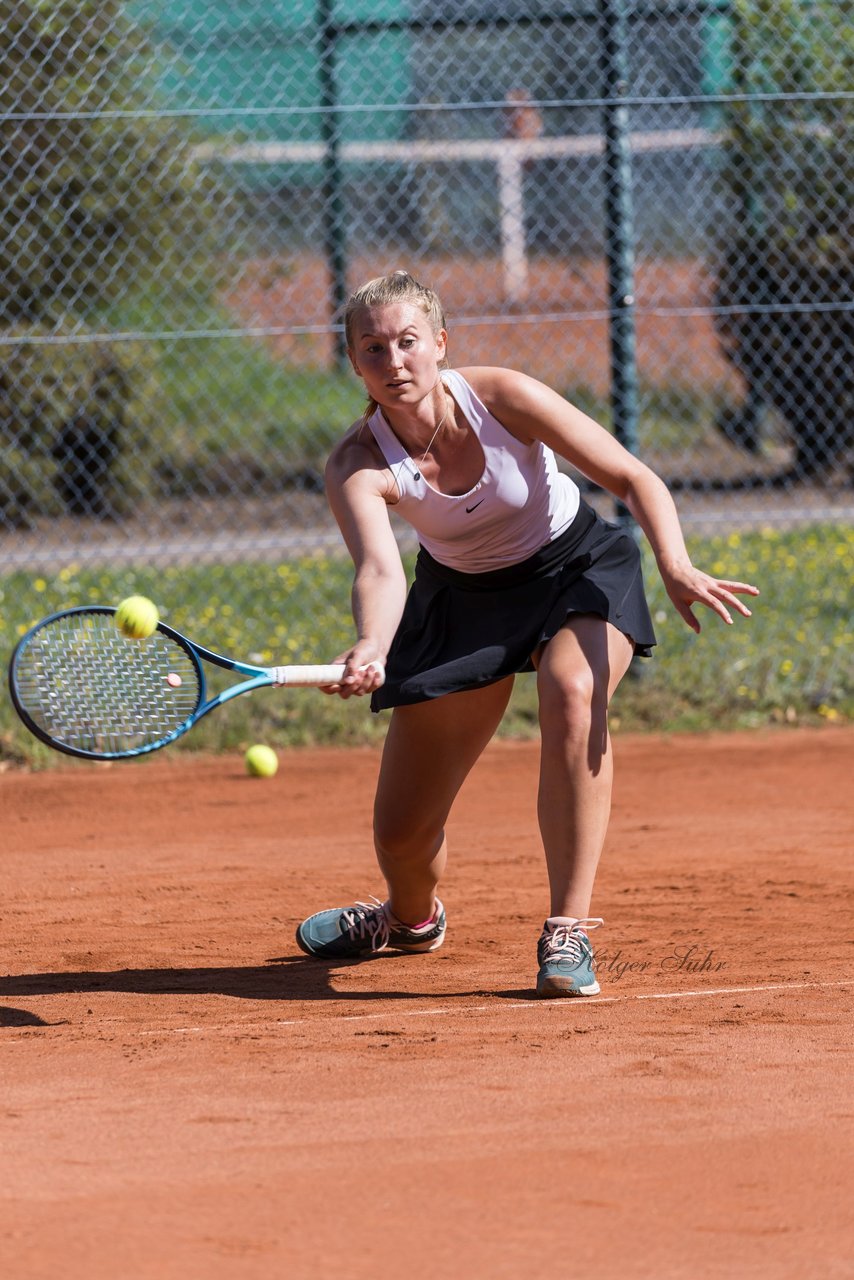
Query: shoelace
pixel 368 920
pixel 567 942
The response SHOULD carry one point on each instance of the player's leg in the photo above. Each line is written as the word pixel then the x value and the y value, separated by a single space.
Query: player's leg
pixel 577 673
pixel 429 750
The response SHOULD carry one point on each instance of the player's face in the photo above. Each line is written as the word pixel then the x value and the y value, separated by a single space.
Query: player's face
pixel 397 353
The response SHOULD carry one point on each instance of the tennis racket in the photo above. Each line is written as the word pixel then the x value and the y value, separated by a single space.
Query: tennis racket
pixel 82 688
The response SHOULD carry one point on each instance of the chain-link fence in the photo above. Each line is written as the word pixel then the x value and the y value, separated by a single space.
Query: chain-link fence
pixel 647 203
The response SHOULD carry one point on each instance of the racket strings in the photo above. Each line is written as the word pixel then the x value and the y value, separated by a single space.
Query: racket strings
pixel 89 688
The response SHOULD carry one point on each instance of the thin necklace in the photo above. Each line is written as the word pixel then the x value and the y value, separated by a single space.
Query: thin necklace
pixel 439 426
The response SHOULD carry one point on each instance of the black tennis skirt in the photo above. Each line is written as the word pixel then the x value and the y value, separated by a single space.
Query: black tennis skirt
pixel 465 630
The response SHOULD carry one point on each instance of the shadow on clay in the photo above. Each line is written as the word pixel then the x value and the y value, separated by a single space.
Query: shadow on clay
pixel 284 978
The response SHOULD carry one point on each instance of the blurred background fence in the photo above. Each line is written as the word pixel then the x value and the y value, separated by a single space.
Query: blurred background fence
pixel 646 203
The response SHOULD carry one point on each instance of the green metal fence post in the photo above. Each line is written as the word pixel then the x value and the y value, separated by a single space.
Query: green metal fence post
pixel 334 233
pixel 619 227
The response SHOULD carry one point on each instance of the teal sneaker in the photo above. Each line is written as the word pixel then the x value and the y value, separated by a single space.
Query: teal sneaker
pixel 366 928
pixel 565 956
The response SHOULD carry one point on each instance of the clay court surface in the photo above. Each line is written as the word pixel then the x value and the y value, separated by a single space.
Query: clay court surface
pixel 185 1095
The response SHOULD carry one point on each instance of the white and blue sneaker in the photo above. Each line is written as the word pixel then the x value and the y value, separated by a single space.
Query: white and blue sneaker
pixel 565 957
pixel 366 928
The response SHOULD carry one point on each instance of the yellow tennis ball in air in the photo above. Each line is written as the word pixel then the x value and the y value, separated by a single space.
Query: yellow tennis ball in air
pixel 261 761
pixel 137 617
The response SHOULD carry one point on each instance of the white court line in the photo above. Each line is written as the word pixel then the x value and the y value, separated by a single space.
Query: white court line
pixel 580 1002
pixel 576 1003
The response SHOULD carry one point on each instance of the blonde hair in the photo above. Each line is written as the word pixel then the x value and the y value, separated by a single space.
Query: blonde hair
pixel 383 291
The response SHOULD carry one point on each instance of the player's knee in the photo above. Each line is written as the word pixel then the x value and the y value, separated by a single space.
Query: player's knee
pixel 571 700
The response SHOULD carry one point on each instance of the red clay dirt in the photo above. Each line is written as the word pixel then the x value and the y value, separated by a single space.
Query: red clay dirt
pixel 561 325
pixel 185 1095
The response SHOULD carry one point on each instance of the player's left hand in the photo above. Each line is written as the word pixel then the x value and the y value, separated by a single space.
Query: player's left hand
pixel 688 585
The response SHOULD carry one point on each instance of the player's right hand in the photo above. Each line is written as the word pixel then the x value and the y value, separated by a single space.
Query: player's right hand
pixel 365 671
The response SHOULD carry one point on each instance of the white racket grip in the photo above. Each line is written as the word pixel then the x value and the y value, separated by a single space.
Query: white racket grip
pixel 309 677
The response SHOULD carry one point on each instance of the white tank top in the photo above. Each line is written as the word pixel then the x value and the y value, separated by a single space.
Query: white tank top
pixel 521 502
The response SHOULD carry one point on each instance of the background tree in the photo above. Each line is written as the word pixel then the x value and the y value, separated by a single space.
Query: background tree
pixel 100 197
pixel 95 197
pixel 786 259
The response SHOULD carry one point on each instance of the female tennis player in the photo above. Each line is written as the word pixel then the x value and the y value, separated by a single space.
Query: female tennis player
pixel 515 572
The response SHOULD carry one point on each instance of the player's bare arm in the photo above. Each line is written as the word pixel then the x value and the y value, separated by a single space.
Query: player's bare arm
pixel 358 491
pixel 533 411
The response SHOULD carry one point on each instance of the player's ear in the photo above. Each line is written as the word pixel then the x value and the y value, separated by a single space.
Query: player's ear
pixel 442 344
pixel 351 356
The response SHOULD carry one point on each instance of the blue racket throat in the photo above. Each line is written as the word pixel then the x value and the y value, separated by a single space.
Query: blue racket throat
pixel 82 688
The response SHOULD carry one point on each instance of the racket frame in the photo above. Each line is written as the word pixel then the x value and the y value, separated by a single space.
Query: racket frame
pixel 256 678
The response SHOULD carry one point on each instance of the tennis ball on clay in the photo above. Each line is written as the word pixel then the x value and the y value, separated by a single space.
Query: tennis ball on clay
pixel 261 761
pixel 137 617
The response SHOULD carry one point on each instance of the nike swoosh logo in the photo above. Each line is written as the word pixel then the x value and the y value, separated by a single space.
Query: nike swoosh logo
pixel 475 507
